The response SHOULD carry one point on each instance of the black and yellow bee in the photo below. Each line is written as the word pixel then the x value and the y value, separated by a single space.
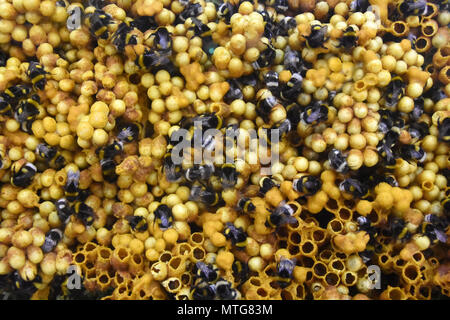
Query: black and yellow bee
pixel 3 58
pixel 398 229
pixel 28 109
pixel 291 89
pixel 51 155
pixel 413 152
pixel 314 114
pixel 52 238
pixel 199 172
pixel 237 236
pixel 240 271
pixel 129 132
pixel 394 91
pixel 308 185
pixel 418 130
pixel 225 10
pixel 285 269
pixel 285 27
pixel 280 216
pixel 266 56
pixel 71 187
pixel 266 102
pixel 11 96
pixel 172 171
pixel 163 216
pixel 444 129
pixel 265 184
pixel 109 151
pixel 354 187
pixel 138 223
pixel 224 290
pixel 37 74
pixel 434 228
pixel 162 40
pixel 234 93
pixel 191 10
pixel 203 291
pixel 123 36
pixel 97 22
pixel 359 5
pixel 228 175
pixel 108 170
pixel 205 195
pixel 64 210
pixel 349 38
pixel 412 7
pixel 245 205
pixel 293 113
pixel 206 272
pixel 22 174
pixel 338 161
pixel 151 58
pixel 84 213
pixel 318 36
pixel 364 224
pixel 294 63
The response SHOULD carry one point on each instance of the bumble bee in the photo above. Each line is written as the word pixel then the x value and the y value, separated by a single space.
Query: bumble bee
pixel 237 236
pixel 129 132
pixel 266 57
pixel 234 93
pixel 163 216
pixel 122 37
pixel 64 210
pixel 199 172
pixel 292 88
pixel 354 187
pixel 349 38
pixel 265 184
pixel 204 122
pixel 138 223
pixel 394 90
pixel 97 22
pixel 203 291
pixel 338 161
pixel 225 10
pixel 266 102
pixel 413 152
pixel 359 5
pixel 224 290
pixel 71 188
pixel 286 26
pixel 228 175
pixel 51 240
pixel 205 195
pixel 285 268
pixel 317 37
pixel 109 151
pixel 315 114
pixel 246 205
pixel 280 216
pixel 293 112
pixel 144 23
pixel 271 81
pixel 22 174
pixel 37 74
pixel 162 40
pixel 5 106
pixel 191 10
pixel 206 272
pixel 13 94
pixel 418 130
pixel 240 271
pixel 294 63
pixel 28 109
pixel 84 213
pixel 398 229
pixel 51 155
pixel 435 228
pixel 108 170
pixel 150 59
pixel 172 171
pixel 22 289
pixel 412 8
pixel 200 29
pixel 366 225
pixel 308 185
pixel 444 129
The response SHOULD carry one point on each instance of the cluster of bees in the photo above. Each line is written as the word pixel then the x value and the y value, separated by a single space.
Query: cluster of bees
pixel 23 103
